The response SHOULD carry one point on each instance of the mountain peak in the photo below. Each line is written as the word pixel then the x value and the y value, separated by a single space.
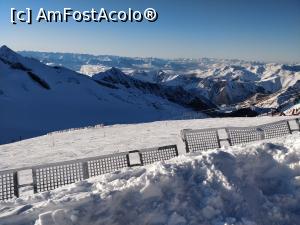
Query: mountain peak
pixel 114 74
pixel 8 54
pixel 5 49
pixel 114 71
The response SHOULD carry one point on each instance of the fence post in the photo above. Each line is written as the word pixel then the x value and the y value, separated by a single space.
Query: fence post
pixel 176 150
pixel 141 158
pixel 16 184
pixel 186 146
pixel 183 137
pixel 34 181
pixel 298 122
pixel 218 137
pixel 128 159
pixel 262 133
pixel 85 170
pixel 289 126
pixel 228 136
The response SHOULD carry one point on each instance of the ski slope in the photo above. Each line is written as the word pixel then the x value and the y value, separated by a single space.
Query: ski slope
pixel 256 183
pixel 83 143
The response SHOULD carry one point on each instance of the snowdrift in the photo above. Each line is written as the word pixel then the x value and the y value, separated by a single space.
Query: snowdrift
pixel 258 183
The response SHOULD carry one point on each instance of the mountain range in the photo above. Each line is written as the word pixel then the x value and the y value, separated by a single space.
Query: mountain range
pixel 233 83
pixel 36 99
pixel 42 92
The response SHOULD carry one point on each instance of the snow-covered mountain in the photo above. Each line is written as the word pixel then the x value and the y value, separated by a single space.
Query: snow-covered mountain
pixel 36 99
pixel 85 62
pixel 115 78
pixel 230 82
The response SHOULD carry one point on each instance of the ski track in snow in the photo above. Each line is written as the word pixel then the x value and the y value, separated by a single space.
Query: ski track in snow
pixel 254 183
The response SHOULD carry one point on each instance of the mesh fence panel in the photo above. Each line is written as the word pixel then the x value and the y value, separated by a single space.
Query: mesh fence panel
pixel 276 129
pixel 51 177
pixel 199 140
pixel 243 135
pixel 8 185
pixel 108 164
pixel 158 154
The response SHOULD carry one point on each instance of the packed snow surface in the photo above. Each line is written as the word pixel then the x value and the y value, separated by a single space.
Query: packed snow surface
pixel 256 183
pixel 84 143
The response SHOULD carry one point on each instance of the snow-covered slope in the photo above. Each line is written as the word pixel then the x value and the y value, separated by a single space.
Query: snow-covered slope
pixel 90 142
pixel 294 110
pixel 116 78
pixel 253 184
pixel 36 99
pixel 230 84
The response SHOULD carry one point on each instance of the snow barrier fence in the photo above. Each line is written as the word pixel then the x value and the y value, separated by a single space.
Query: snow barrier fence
pixel 204 139
pixel 50 176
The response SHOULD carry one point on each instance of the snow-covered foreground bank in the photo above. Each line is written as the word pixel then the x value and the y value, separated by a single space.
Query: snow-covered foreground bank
pixel 257 183
pixel 110 139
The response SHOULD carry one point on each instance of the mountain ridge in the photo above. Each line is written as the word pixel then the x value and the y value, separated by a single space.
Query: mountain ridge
pixel 36 99
pixel 223 82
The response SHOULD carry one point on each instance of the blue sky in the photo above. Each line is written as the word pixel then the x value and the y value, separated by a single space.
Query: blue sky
pixel 267 30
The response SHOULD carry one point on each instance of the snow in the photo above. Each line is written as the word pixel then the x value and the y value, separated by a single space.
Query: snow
pixel 294 110
pixel 28 109
pixel 219 80
pixel 83 143
pixel 251 184
pixel 90 70
pixel 255 183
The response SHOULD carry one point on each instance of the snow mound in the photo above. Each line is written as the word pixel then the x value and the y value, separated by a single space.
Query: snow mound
pixel 248 184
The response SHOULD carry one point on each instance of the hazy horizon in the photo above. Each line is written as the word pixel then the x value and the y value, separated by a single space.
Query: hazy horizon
pixel 156 57
pixel 265 31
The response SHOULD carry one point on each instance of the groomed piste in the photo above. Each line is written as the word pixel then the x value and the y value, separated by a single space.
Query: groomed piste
pixel 254 183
